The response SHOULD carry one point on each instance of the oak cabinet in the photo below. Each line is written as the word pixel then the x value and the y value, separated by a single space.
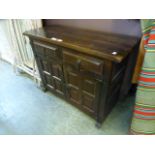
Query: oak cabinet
pixel 86 68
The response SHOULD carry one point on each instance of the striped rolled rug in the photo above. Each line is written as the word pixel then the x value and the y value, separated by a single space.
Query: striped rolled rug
pixel 143 121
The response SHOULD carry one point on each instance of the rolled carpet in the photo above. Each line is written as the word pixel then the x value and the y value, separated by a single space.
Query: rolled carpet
pixel 143 121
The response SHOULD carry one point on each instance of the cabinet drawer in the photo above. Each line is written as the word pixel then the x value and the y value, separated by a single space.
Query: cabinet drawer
pixel 82 62
pixel 46 51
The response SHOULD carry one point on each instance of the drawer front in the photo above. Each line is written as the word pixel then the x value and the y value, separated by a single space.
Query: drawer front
pixel 46 51
pixel 83 62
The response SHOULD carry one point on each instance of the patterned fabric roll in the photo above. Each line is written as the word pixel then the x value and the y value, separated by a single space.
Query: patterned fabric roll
pixel 143 121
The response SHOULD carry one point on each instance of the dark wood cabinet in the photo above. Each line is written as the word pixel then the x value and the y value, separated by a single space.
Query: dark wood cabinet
pixel 84 67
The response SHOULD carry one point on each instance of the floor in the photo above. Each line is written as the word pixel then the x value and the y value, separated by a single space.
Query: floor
pixel 25 109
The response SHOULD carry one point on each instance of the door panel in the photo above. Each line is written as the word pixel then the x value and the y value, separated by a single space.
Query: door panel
pixel 74 95
pixel 90 89
pixel 88 102
pixel 56 70
pixel 49 81
pixel 84 62
pixel 46 73
pixel 45 66
pixel 45 50
pixel 89 85
pixel 59 86
pixel 57 75
pixel 73 79
pixel 73 84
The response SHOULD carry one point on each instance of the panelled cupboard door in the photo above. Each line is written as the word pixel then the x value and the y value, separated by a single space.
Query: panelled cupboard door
pixel 53 75
pixel 48 57
pixel 82 90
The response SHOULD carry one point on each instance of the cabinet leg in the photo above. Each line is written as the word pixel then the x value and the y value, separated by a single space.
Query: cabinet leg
pixel 43 88
pixel 98 125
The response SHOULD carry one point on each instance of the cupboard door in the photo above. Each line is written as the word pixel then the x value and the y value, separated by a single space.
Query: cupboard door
pixel 53 75
pixel 81 90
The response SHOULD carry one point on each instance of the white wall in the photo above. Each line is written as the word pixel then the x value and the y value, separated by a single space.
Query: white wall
pixel 5 49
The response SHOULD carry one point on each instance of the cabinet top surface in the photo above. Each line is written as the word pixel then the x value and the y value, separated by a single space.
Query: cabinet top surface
pixel 100 44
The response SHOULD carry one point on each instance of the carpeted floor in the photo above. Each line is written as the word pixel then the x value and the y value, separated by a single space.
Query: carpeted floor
pixel 25 109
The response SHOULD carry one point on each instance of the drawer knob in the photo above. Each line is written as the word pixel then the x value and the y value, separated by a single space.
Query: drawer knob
pixel 56 39
pixel 53 38
pixel 114 53
pixel 59 40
